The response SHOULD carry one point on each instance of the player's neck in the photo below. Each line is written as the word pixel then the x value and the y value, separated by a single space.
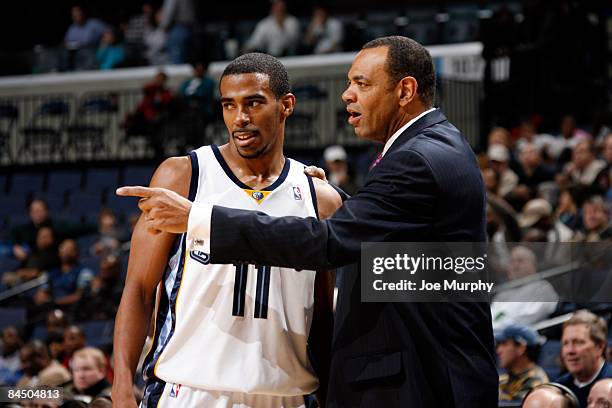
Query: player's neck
pixel 257 172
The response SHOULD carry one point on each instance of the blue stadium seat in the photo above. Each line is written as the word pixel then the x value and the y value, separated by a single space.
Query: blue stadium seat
pixel 137 175
pixel 39 333
pixel 27 183
pixel 14 206
pixel 549 358
pixel 122 206
pixel 12 317
pixel 98 333
pixel 84 203
pixel 63 181
pixel 55 201
pixel 98 180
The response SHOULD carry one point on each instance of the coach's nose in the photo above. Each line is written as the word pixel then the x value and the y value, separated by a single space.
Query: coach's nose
pixel 349 96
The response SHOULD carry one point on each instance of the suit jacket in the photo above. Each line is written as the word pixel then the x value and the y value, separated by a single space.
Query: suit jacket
pixel 427 188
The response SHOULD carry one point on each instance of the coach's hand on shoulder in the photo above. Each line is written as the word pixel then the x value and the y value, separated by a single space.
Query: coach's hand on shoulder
pixel 163 210
pixel 316 172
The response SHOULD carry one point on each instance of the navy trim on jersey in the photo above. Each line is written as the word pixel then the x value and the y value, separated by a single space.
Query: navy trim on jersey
pixel 239 183
pixel 313 195
pixel 195 175
pixel 240 282
pixel 262 292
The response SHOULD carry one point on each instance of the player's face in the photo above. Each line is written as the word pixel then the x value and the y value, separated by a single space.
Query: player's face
pixel 370 97
pixel 254 117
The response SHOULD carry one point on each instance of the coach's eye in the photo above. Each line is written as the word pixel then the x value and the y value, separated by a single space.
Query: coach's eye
pixel 254 104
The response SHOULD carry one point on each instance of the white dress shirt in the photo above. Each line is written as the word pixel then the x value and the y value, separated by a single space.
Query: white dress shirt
pixel 401 130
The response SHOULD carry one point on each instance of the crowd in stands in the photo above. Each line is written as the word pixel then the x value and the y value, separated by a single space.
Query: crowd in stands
pixel 164 34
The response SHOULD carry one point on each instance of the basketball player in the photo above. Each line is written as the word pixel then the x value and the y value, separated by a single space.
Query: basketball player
pixel 226 335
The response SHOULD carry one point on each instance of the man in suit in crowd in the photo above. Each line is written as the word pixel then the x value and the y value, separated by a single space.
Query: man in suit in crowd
pixel 425 187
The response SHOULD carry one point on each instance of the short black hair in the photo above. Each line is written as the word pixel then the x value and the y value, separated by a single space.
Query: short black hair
pixel 260 63
pixel 407 57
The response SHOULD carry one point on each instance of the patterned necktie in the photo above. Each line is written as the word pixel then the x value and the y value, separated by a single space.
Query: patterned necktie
pixel 376 161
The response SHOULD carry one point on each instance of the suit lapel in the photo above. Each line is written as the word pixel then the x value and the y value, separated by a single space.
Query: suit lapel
pixel 432 118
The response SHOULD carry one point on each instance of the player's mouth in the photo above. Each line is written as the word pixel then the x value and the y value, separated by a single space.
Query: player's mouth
pixel 354 116
pixel 243 138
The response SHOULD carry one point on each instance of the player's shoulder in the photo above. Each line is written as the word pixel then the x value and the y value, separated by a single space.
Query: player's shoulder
pixel 328 199
pixel 174 173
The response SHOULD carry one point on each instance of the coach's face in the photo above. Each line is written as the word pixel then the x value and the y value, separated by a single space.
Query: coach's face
pixel 371 98
pixel 254 117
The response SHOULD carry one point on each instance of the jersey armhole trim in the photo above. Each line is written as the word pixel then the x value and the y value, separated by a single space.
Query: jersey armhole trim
pixel 313 195
pixel 195 176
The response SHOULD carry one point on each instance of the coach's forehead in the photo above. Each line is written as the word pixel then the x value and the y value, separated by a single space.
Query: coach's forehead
pixel 244 84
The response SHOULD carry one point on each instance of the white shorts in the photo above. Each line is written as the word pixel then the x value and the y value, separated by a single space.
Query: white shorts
pixel 182 396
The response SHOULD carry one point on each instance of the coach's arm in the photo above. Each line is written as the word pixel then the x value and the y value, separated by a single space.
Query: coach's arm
pixel 148 259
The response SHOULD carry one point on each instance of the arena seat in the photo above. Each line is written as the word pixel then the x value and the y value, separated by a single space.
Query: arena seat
pixel 26 183
pixel 12 317
pixel 97 179
pixel 98 333
pixel 64 181
pixel 549 358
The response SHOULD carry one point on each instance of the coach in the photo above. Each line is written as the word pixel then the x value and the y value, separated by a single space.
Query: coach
pixel 425 187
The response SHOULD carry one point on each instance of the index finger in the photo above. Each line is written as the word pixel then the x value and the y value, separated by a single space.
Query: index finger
pixel 135 191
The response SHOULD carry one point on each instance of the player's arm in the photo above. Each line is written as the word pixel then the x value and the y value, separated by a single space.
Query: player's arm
pixel 328 201
pixel 148 258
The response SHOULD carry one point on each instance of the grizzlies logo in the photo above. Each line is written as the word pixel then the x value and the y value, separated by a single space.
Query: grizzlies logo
pixel 200 257
pixel 258 195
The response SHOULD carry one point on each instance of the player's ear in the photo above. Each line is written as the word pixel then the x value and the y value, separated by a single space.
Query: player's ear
pixel 288 102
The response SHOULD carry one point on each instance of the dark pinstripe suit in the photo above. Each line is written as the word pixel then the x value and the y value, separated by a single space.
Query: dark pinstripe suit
pixel 427 188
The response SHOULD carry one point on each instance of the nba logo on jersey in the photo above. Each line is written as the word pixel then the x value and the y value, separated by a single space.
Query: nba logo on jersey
pixel 297 193
pixel 175 390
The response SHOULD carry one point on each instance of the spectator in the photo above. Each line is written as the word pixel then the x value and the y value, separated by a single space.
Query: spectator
pixel 67 283
pixel 151 112
pixel 538 214
pixel 584 168
pixel 551 395
pixel 568 212
pixel 39 369
pixel 324 33
pixel 197 96
pixel 110 52
pixel 101 299
pixel 338 173
pixel 140 24
pixel 533 171
pixel 527 134
pixel 88 375
pixel 110 236
pixel 56 322
pixel 607 149
pixel 278 34
pixel 517 348
pixel 84 31
pixel 596 220
pixel 516 305
pixel 10 364
pixel 44 257
pixel 499 158
pixel 178 19
pixel 568 139
pixel 24 236
pixel 601 394
pixel 155 42
pixel 74 339
pixel 583 345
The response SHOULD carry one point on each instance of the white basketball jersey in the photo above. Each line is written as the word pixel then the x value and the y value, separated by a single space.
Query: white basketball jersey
pixel 240 328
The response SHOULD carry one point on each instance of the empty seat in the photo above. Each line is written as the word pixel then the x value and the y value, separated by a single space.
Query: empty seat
pixel 549 358
pixel 137 175
pixel 12 317
pixel 64 180
pixel 98 333
pixel 84 203
pixel 98 180
pixel 122 206
pixel 27 183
